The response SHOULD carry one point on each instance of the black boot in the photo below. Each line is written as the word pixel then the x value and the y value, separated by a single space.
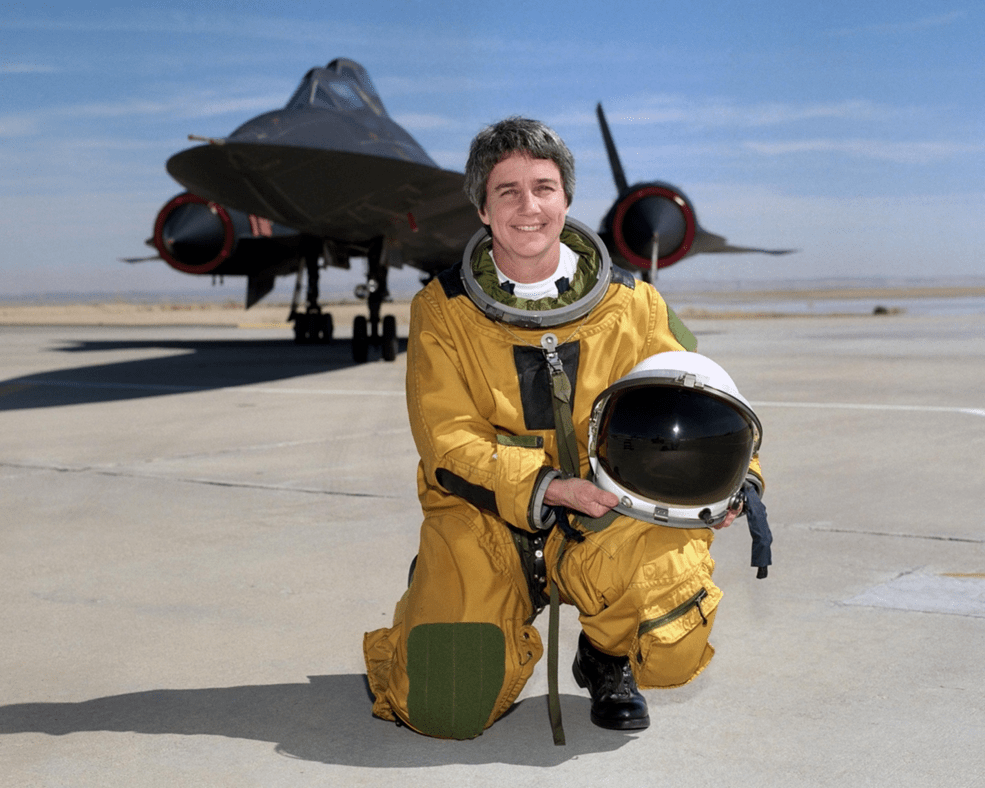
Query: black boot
pixel 616 703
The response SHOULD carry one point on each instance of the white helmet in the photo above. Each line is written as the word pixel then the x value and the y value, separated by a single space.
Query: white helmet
pixel 673 439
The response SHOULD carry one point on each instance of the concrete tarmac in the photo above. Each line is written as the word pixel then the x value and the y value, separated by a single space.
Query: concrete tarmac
pixel 199 523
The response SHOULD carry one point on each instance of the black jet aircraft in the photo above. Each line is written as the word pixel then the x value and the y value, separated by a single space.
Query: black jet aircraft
pixel 330 177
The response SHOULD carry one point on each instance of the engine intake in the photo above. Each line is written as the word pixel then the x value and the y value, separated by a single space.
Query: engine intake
pixel 647 212
pixel 193 235
pixel 196 236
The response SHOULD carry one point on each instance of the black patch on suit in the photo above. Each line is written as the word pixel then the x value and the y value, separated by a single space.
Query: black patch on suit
pixel 622 277
pixel 451 281
pixel 535 382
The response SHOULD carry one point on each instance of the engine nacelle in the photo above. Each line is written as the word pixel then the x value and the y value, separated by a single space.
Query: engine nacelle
pixel 646 213
pixel 193 235
pixel 196 236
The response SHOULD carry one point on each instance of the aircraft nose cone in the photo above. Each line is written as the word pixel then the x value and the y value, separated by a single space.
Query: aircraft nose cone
pixel 193 234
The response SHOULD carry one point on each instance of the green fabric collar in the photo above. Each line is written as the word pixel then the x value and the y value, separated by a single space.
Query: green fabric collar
pixel 584 279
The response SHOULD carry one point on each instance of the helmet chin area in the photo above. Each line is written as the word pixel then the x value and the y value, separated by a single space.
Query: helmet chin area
pixel 660 513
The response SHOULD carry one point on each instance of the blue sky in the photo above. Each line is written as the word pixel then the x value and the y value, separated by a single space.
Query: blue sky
pixel 853 132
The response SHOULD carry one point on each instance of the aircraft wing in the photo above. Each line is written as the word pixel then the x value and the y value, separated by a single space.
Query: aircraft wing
pixel 710 243
pixel 349 197
pixel 140 259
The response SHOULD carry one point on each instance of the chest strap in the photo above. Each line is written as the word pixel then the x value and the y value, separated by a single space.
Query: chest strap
pixel 567 445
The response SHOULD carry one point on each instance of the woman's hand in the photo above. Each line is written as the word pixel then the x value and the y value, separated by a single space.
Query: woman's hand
pixel 580 495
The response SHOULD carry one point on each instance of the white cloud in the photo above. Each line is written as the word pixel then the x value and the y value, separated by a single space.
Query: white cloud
pixel 884 150
pixel 192 106
pixel 391 85
pixel 27 68
pixel 178 23
pixel 687 109
pixel 775 113
pixel 893 28
pixel 18 125
pixel 424 122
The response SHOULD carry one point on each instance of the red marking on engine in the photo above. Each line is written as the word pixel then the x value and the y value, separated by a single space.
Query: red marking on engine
pixel 260 226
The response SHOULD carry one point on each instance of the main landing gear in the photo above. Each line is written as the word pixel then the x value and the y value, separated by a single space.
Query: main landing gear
pixel 311 325
pixel 363 336
pixel 368 332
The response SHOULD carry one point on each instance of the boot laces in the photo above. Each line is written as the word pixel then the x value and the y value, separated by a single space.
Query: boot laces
pixel 617 680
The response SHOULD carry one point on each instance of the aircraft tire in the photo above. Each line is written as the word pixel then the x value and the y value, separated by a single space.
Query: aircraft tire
pixel 326 328
pixel 360 340
pixel 302 330
pixel 389 348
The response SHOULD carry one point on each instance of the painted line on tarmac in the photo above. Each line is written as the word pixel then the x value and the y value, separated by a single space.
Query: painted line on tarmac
pixel 860 406
pixel 170 388
pixel 333 440
pixel 132 474
pixel 173 389
pixel 825 528
pixel 88 384
pixel 329 392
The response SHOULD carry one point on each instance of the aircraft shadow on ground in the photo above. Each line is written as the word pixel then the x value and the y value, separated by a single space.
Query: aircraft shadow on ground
pixel 327 720
pixel 195 366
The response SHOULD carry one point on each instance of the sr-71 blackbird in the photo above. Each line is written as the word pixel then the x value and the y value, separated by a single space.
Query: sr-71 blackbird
pixel 331 176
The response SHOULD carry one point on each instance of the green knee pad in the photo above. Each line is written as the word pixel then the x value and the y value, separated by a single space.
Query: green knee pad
pixel 456 672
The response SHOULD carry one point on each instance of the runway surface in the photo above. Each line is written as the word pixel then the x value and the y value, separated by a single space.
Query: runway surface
pixel 199 523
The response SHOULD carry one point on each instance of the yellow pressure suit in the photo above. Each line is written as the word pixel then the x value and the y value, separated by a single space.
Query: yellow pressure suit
pixel 462 646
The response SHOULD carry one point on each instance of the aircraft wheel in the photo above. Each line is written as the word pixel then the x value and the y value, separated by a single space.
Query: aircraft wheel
pixel 360 340
pixel 302 330
pixel 326 329
pixel 389 338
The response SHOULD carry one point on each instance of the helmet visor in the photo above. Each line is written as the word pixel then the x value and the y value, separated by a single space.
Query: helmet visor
pixel 673 445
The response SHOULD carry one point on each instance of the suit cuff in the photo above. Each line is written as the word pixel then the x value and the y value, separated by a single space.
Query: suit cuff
pixel 541 516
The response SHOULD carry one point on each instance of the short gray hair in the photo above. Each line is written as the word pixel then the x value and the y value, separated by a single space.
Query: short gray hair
pixel 515 135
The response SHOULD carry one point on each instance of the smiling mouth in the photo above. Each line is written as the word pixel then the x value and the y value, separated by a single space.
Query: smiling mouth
pixel 528 228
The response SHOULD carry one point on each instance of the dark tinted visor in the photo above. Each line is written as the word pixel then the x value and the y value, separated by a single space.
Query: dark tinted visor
pixel 673 445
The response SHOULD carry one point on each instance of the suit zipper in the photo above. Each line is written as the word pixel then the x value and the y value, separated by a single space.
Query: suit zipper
pixel 676 613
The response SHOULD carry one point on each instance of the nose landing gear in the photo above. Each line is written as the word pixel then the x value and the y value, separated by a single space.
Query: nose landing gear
pixel 311 326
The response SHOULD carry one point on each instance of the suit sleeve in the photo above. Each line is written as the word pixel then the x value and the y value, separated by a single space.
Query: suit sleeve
pixel 461 452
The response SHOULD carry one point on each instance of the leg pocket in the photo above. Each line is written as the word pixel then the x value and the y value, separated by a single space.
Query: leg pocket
pixel 671 648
